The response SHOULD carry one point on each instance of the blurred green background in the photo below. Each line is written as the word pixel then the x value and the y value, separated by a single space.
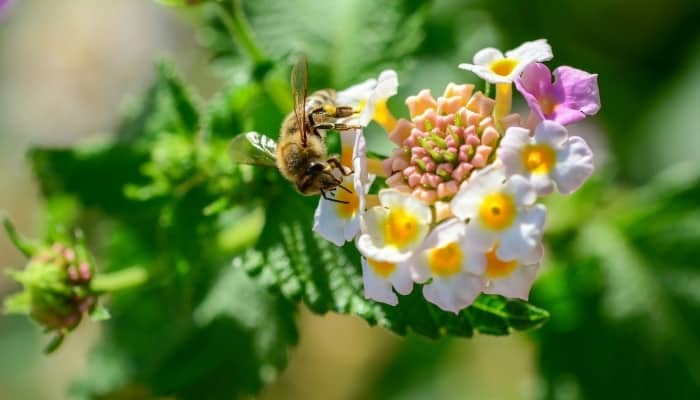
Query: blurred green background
pixel 622 280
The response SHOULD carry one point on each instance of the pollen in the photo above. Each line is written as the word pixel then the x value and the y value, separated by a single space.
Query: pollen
pixel 497 211
pixel 348 209
pixel 497 268
pixel 445 261
pixel 539 159
pixel 504 66
pixel 382 268
pixel 400 228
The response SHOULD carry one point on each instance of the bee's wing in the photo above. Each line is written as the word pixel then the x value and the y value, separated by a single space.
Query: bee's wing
pixel 252 148
pixel 299 88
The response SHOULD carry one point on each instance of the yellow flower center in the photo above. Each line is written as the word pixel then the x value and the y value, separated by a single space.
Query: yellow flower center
pixel 548 105
pixel 348 209
pixel 497 211
pixel 504 66
pixel 539 159
pixel 496 268
pixel 400 228
pixel 445 261
pixel 382 268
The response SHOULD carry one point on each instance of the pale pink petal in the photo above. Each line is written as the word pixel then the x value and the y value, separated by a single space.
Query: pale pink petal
pixel 574 165
pixel 517 284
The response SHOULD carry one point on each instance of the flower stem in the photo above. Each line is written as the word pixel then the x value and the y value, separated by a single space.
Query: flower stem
pixel 119 280
pixel 237 25
pixel 24 245
pixel 504 97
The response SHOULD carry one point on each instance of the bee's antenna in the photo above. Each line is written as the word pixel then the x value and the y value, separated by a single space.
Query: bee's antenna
pixel 344 188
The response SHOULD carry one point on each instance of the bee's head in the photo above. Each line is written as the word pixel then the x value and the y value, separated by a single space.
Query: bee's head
pixel 319 176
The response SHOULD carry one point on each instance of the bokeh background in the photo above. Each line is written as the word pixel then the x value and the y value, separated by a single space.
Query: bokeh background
pixel 624 309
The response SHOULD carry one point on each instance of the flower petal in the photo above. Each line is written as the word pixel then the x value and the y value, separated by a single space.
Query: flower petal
pixel 516 285
pixel 454 294
pixel 487 56
pixel 552 133
pixel 574 165
pixel 377 288
pixel 529 52
pixel 581 89
pixel 521 240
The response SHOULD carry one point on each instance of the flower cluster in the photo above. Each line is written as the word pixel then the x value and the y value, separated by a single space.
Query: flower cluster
pixel 458 209
pixel 57 285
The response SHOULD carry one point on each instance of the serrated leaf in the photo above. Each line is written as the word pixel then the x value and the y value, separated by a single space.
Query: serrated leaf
pixel 348 37
pixel 301 266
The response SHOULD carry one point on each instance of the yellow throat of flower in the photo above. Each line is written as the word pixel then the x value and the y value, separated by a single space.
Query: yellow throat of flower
pixel 446 260
pixel 497 211
pixel 400 228
pixel 496 268
pixel 504 66
pixel 539 159
pixel 382 268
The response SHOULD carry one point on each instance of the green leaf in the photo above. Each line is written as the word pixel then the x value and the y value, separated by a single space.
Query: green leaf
pixel 19 303
pixel 348 37
pixel 293 261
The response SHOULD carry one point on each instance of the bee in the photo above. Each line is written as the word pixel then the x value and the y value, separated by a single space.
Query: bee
pixel 300 154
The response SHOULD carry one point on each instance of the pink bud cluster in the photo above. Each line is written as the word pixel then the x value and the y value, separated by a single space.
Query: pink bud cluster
pixel 445 141
pixel 63 309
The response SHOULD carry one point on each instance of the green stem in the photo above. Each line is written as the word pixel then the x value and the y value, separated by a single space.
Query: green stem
pixel 119 280
pixel 24 245
pixel 237 25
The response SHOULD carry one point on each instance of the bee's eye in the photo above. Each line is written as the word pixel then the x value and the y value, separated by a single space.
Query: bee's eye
pixel 316 167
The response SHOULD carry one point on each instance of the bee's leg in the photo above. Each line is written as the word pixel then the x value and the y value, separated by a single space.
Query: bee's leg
pixel 336 126
pixel 339 111
pixel 323 194
pixel 337 164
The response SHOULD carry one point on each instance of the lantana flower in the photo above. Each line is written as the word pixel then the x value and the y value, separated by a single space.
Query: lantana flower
pixel 494 67
pixel 501 211
pixel 370 97
pixel 339 221
pixel 572 96
pixel 379 277
pixel 392 231
pixel 454 264
pixel 549 158
pixel 511 278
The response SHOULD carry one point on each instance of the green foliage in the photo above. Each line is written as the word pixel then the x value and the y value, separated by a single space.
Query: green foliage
pixel 169 201
pixel 618 292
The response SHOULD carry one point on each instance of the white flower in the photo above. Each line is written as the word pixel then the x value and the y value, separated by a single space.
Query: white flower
pixel 370 96
pixel 392 231
pixel 339 221
pixel 492 66
pixel 501 211
pixel 548 158
pixel 380 276
pixel 512 278
pixel 455 265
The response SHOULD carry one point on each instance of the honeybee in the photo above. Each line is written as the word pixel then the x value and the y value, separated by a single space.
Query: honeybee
pixel 300 154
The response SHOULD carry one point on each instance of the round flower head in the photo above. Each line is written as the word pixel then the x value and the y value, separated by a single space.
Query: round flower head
pixel 380 276
pixel 455 265
pixel 501 211
pixel 370 97
pixel 339 221
pixel 492 66
pixel 446 140
pixel 512 278
pixel 392 231
pixel 549 158
pixel 572 96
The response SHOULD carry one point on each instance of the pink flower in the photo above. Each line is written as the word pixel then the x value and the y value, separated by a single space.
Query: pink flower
pixel 572 96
